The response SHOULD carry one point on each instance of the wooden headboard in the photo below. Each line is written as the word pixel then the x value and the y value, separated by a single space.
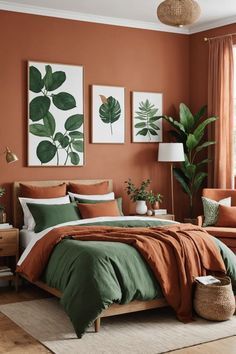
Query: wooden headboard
pixel 17 211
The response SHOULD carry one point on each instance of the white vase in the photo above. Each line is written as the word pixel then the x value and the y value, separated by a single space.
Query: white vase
pixel 141 207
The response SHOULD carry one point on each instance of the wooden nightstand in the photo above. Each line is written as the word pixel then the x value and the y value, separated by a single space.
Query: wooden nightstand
pixel 9 247
pixel 163 216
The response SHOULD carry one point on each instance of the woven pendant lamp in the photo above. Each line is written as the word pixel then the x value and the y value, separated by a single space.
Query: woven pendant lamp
pixel 178 12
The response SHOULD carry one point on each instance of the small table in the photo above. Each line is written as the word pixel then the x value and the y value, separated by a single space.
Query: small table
pixel 9 247
pixel 161 216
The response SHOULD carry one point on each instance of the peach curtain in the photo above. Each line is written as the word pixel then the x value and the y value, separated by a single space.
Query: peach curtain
pixel 220 104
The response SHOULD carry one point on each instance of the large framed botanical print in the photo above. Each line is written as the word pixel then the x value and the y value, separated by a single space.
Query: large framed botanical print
pixel 108 114
pixel 146 126
pixel 55 114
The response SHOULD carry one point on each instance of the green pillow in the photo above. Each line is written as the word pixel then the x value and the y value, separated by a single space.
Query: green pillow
pixel 90 201
pixel 46 215
pixel 211 209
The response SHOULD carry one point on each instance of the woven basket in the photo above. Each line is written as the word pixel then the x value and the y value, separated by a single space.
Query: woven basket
pixel 215 302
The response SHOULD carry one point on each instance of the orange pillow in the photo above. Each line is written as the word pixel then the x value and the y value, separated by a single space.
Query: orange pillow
pixel 36 192
pixel 89 189
pixel 226 216
pixel 108 208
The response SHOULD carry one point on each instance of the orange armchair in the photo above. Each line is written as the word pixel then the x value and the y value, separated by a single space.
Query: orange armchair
pixel 225 234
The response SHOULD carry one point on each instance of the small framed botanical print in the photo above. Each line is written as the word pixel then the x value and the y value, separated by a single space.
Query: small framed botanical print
pixel 108 114
pixel 146 126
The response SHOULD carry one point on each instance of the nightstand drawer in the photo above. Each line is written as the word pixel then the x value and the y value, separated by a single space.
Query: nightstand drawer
pixel 8 237
pixel 8 249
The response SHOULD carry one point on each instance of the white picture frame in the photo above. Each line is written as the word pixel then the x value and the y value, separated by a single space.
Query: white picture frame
pixel 146 106
pixel 55 114
pixel 107 102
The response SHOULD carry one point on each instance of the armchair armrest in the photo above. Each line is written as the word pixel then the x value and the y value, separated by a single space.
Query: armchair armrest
pixel 200 220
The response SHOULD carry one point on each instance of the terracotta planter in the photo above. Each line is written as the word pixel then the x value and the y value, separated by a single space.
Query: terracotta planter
pixel 3 216
pixel 156 205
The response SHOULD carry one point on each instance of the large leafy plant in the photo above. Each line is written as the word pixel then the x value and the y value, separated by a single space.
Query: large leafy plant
pixel 191 131
pixel 109 110
pixel 147 116
pixel 70 140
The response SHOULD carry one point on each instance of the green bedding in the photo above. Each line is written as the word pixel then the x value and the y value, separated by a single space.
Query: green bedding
pixel 94 274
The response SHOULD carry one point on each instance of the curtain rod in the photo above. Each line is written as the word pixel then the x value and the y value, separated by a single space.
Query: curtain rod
pixel 206 39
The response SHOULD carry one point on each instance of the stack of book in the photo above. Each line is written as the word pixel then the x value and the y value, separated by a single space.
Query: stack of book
pixel 5 225
pixel 5 271
pixel 160 212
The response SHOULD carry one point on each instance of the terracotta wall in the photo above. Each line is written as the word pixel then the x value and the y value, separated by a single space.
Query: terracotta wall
pixel 139 60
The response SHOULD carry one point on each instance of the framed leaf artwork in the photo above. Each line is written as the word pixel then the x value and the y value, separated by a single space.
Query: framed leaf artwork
pixel 55 115
pixel 146 127
pixel 108 114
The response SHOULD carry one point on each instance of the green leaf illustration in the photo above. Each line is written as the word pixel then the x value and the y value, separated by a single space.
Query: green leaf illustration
pixel 74 158
pixel 39 107
pixel 147 113
pixel 110 110
pixel 49 123
pixel 64 101
pixel 58 137
pixel 35 79
pixel 39 130
pixel 53 80
pixel 65 142
pixel 46 151
pixel 78 145
pixel 48 80
pixel 76 135
pixel 74 122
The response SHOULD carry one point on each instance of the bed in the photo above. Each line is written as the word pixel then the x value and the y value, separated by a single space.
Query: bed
pixel 113 308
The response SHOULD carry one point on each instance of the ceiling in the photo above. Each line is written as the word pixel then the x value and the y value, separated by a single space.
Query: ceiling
pixel 130 13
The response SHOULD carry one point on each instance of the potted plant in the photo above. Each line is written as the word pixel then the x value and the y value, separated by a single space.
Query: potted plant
pixel 155 200
pixel 138 195
pixel 191 131
pixel 2 209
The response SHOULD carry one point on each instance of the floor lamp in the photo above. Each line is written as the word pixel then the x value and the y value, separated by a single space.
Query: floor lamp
pixel 171 152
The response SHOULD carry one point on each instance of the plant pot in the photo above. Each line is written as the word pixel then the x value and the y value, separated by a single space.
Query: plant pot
pixel 141 207
pixel 156 205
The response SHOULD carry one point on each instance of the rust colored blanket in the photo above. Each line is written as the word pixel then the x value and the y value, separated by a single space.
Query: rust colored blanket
pixel 176 254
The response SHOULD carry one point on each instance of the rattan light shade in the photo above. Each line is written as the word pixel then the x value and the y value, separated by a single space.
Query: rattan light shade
pixel 178 12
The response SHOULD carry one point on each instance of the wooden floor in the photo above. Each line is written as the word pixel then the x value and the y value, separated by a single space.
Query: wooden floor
pixel 13 339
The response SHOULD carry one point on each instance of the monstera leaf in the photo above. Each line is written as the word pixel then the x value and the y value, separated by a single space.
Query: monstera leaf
pixel 109 111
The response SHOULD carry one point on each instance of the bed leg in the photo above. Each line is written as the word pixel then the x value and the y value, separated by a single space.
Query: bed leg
pixel 97 324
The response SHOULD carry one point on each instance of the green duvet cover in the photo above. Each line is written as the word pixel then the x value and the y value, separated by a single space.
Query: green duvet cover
pixel 93 274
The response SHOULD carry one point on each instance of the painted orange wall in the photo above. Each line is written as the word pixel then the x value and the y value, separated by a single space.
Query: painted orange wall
pixel 139 60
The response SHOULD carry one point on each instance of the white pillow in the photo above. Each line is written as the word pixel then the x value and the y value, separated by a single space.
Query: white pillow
pixel 28 218
pixel 108 196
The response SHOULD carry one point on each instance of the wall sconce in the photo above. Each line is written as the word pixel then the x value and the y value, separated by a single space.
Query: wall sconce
pixel 10 156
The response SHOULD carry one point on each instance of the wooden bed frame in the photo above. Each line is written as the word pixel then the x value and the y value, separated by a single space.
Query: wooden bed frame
pixel 114 309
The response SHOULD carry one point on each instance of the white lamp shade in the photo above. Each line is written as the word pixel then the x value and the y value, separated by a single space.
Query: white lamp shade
pixel 171 152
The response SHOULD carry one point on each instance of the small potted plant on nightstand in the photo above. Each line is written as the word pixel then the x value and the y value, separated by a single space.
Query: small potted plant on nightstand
pixel 155 200
pixel 2 209
pixel 138 195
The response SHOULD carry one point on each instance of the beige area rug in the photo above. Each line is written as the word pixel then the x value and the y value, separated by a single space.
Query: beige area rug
pixel 147 332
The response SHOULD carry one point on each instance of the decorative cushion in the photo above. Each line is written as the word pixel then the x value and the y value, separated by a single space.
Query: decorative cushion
pixel 91 201
pixel 227 216
pixel 108 208
pixel 28 191
pixel 29 222
pixel 97 188
pixel 210 208
pixel 108 196
pixel 50 215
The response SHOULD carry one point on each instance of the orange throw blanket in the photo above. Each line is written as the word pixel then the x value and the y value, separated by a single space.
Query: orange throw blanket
pixel 176 254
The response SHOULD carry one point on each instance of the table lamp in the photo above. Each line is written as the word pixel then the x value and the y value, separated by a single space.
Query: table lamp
pixel 171 152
